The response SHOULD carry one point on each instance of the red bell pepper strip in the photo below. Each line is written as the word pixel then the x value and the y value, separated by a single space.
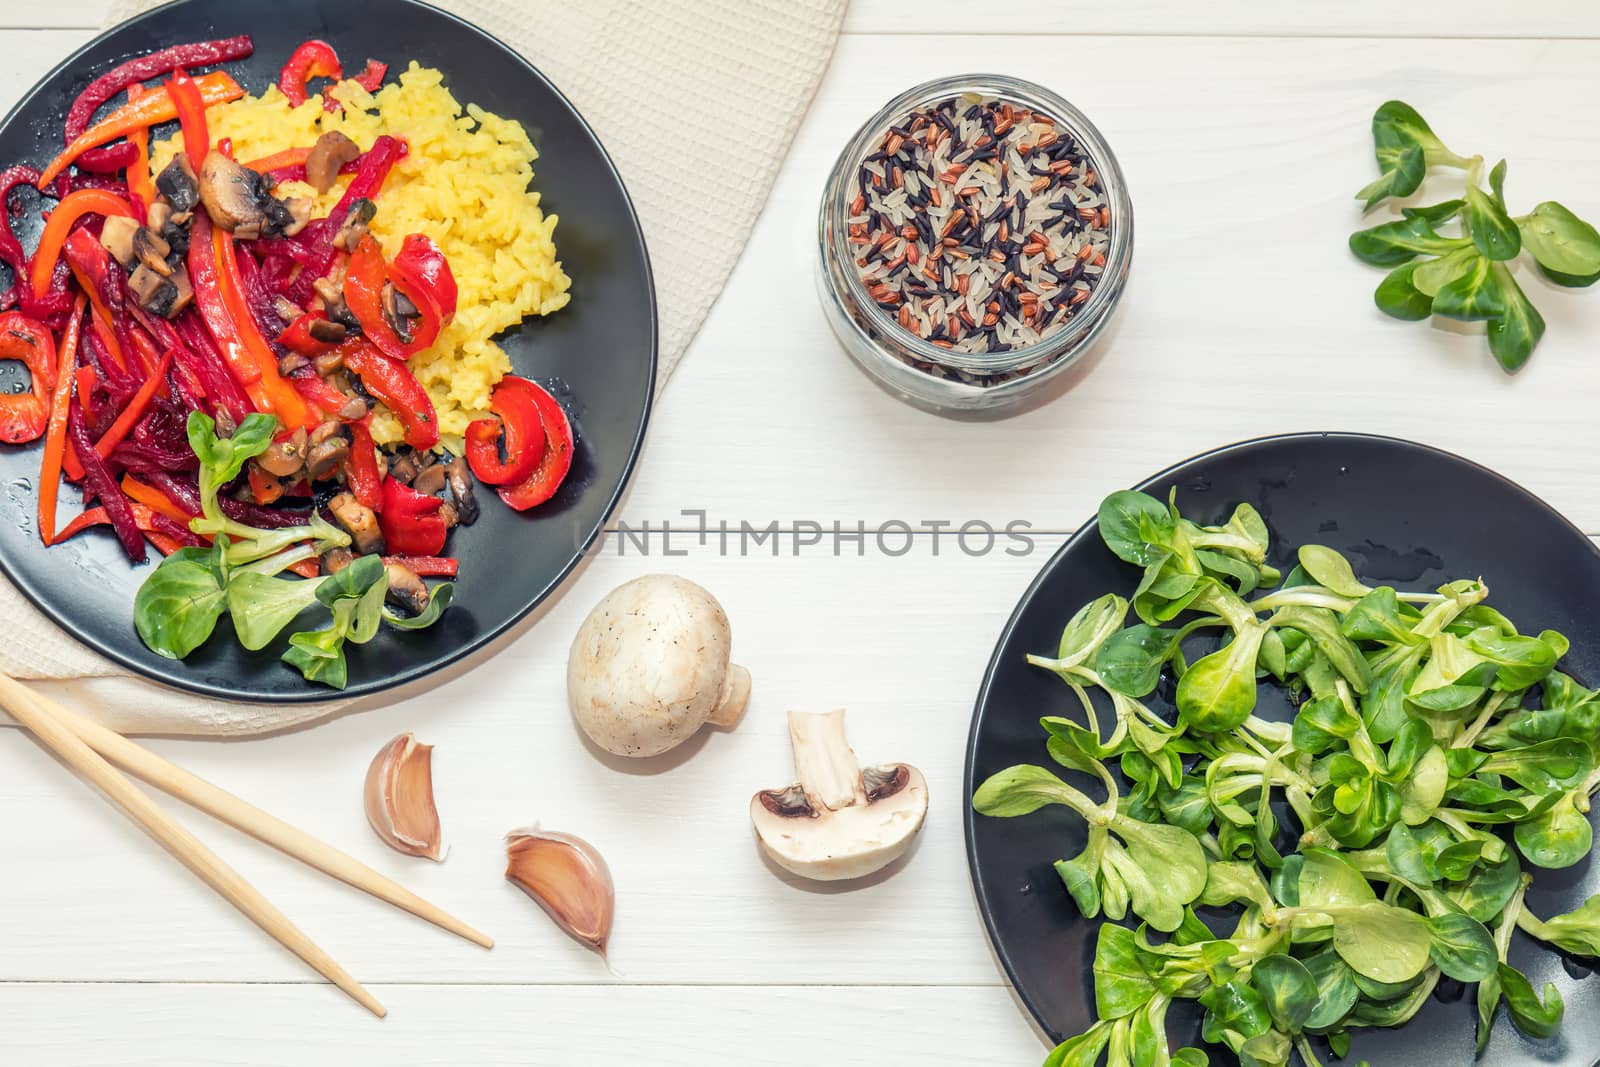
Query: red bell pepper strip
pixel 427 566
pixel 281 397
pixel 369 79
pixel 264 488
pixel 156 500
pixel 204 278
pixel 55 438
pixel 314 59
pixel 25 416
pixel 84 382
pixel 152 109
pixel 191 116
pixel 542 484
pixel 100 483
pixel 139 69
pixel 372 76
pixel 146 521
pixel 361 468
pixel 410 521
pixel 524 438
pixel 401 393
pixel 135 409
pixel 74 207
pixel 318 393
pixel 296 336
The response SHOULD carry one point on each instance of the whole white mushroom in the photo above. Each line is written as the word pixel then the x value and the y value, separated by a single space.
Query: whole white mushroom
pixel 650 666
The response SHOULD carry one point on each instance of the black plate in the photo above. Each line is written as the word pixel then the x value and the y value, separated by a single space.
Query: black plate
pixel 598 354
pixel 1405 514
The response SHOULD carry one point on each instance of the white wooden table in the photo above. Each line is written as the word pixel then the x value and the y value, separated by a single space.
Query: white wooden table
pixel 1243 130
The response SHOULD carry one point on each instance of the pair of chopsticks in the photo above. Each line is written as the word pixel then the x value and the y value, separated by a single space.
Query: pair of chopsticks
pixel 91 749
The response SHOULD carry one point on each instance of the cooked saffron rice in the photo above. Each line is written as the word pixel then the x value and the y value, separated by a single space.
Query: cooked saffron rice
pixel 464 183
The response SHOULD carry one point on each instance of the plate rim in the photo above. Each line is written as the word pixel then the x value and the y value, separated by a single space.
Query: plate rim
pixel 1090 528
pixel 484 637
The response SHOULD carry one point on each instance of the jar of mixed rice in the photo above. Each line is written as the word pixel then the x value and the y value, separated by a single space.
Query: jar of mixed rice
pixel 974 240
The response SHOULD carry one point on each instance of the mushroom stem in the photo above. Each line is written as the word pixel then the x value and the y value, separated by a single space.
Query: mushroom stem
pixel 823 760
pixel 735 696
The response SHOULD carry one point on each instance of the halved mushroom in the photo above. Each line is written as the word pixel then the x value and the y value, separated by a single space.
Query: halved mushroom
pixel 329 332
pixel 649 667
pixel 292 363
pixel 336 559
pixel 177 182
pixel 233 195
pixel 328 450
pixel 460 479
pixel 358 521
pixel 332 294
pixel 183 291
pixel 404 466
pixel 285 458
pixel 116 237
pixel 406 589
pixel 332 151
pixel 399 312
pixel 299 214
pixel 839 820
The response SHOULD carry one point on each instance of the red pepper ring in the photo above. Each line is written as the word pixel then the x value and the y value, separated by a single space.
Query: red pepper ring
pixel 542 484
pixel 296 336
pixel 24 416
pixel 423 274
pixel 369 79
pixel 524 439
pixel 410 521
pixel 314 59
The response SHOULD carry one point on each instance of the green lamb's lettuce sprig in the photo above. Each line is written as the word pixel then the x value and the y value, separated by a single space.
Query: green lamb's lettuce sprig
pixel 1369 847
pixel 1468 275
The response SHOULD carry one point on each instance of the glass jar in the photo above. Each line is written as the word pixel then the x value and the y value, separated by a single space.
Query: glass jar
pixel 925 374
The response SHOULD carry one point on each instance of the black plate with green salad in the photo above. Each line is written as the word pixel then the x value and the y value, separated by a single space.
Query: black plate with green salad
pixel 1287 758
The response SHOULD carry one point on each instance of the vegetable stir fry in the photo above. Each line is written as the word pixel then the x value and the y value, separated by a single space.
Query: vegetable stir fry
pixel 207 356
pixel 1379 842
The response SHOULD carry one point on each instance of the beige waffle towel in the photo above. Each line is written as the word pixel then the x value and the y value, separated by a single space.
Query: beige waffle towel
pixel 656 81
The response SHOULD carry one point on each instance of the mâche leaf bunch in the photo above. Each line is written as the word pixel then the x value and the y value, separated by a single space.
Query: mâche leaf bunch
pixel 1379 842
pixel 179 605
pixel 1467 274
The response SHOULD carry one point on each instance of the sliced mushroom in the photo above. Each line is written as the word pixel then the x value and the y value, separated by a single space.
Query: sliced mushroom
pixel 183 291
pixel 332 294
pixel 332 151
pixel 406 589
pixel 154 293
pixel 336 559
pixel 354 228
pixel 329 449
pixel 152 250
pixel 291 363
pixel 177 182
pixel 399 312
pixel 404 467
pixel 460 479
pixel 285 458
pixel 299 208
pixel 447 512
pixel 233 195
pixel 329 332
pixel 353 409
pixel 838 821
pixel 157 215
pixel 116 237
pixel 358 521
pixel 287 309
pixel 429 479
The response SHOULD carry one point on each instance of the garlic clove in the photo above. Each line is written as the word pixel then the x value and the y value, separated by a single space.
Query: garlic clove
pixel 567 878
pixel 399 798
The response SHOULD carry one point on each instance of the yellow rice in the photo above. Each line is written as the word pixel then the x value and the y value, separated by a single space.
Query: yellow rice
pixel 464 183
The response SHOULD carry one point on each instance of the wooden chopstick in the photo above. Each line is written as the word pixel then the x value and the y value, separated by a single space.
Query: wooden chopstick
pixel 242 815
pixel 24 706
